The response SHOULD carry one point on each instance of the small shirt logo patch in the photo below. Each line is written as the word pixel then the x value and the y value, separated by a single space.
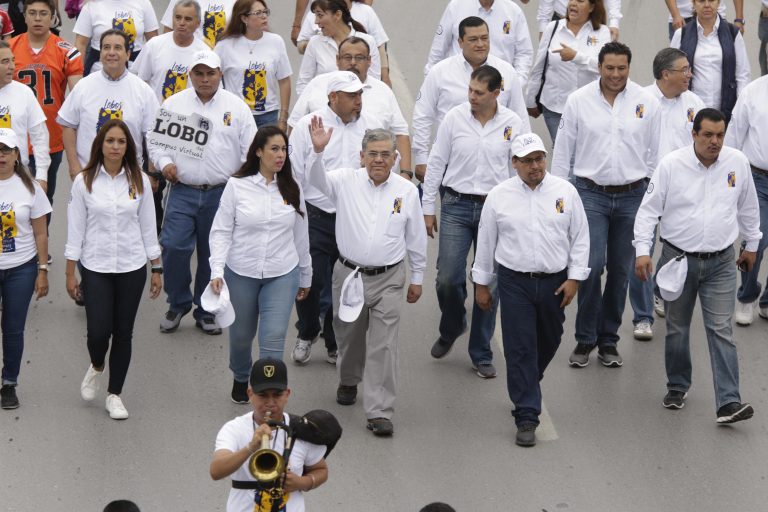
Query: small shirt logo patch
pixel 690 115
pixel 592 41
pixel 227 118
pixel 640 111
pixel 507 26
pixel 731 179
pixel 507 133
pixel 398 205
pixel 560 205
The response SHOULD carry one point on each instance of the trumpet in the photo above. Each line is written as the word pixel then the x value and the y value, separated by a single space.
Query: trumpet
pixel 266 465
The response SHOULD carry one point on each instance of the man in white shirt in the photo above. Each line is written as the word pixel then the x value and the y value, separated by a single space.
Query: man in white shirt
pixel 678 107
pixel 550 10
pixel 214 18
pixel 608 141
pixel 534 229
pixel 344 114
pixel 196 186
pixel 748 132
pixel 446 86
pixel 510 40
pixel 379 223
pixel 471 155
pixel 704 196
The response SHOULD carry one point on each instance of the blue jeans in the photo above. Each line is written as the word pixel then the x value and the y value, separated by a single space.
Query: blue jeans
pixel 53 171
pixel 714 281
pixel 641 294
pixel 750 288
pixel 271 300
pixel 459 222
pixel 266 119
pixel 16 287
pixel 552 120
pixel 531 327
pixel 611 220
pixel 188 217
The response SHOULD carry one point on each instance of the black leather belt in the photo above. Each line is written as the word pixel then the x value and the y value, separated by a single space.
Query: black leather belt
pixel 615 189
pixel 699 255
pixel 319 211
pixel 535 275
pixel 204 188
pixel 758 170
pixel 472 197
pixel 246 485
pixel 368 271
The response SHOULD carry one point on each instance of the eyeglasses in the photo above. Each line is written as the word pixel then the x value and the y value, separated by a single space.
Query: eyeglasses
pixel 357 58
pixel 259 14
pixel 375 155
pixel 529 161
pixel 5 150
pixel 686 70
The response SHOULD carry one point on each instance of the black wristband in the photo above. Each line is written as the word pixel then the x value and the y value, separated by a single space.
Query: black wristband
pixel 157 270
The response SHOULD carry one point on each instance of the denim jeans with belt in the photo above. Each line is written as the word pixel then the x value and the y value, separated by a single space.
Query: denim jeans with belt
pixel 267 302
pixel 459 222
pixel 749 291
pixel 611 218
pixel 16 287
pixel 713 280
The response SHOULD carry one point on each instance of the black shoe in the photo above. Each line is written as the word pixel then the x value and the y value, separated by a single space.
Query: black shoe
pixel 208 325
pixel 8 398
pixel 239 392
pixel 526 435
pixel 733 412
pixel 609 356
pixel 579 358
pixel 441 348
pixel 172 320
pixel 346 395
pixel 380 426
pixel 674 399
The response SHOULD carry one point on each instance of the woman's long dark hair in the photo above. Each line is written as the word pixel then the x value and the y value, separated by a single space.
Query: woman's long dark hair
pixel 130 161
pixel 334 6
pixel 23 173
pixel 287 186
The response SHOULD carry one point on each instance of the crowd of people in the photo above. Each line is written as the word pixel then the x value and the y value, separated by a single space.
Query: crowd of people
pixel 322 206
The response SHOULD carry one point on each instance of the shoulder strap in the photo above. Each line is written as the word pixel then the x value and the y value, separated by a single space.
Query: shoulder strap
pixel 546 64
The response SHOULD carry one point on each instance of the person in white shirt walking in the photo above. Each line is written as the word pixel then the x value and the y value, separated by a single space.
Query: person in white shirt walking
pixel 678 108
pixel 379 223
pixel 704 196
pixel 215 16
pixel 111 232
pixel 552 10
pixel 471 155
pixel 508 30
pixel 533 229
pixel 260 250
pixel 609 136
pixel 196 186
pixel 748 132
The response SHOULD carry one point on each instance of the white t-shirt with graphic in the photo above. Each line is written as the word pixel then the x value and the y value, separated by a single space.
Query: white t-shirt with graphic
pixel 252 69
pixel 236 434
pixel 164 65
pixel 17 209
pixel 20 111
pixel 134 17
pixel 215 16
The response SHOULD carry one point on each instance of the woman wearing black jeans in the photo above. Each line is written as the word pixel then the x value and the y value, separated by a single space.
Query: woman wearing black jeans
pixel 111 232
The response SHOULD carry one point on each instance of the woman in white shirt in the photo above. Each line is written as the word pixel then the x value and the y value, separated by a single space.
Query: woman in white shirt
pixel 255 63
pixel 572 45
pixel 111 232
pixel 134 17
pixel 336 24
pixel 23 210
pixel 260 248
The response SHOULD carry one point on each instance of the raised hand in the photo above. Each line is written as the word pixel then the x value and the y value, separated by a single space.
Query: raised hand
pixel 319 135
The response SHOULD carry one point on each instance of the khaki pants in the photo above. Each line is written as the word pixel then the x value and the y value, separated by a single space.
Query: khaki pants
pixel 368 346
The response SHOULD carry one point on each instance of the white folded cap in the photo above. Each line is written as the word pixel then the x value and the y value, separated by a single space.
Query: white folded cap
pixel 527 143
pixel 207 58
pixel 671 278
pixel 352 297
pixel 219 304
pixel 9 138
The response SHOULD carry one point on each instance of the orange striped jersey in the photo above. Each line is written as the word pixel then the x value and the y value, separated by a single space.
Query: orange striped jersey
pixel 46 73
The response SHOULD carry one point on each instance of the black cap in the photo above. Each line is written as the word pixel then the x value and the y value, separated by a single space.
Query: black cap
pixel 268 373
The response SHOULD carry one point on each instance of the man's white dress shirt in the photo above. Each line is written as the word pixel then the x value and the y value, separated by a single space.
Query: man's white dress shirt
pixel 748 130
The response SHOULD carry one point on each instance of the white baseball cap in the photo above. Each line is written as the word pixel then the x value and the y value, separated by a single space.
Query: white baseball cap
pixel 671 278
pixel 9 138
pixel 207 58
pixel 352 297
pixel 344 81
pixel 527 143
pixel 219 304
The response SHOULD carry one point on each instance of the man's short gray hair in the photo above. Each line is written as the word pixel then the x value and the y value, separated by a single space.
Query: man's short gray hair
pixel 379 134
pixel 665 59
pixel 190 3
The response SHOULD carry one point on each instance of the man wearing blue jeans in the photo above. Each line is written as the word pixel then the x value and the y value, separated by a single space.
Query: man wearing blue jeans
pixel 704 196
pixel 609 134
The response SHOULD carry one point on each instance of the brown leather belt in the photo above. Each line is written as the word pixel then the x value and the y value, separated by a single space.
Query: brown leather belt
pixel 758 170
pixel 614 189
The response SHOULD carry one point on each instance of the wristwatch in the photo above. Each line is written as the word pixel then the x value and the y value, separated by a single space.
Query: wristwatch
pixel 43 267
pixel 157 270
pixel 739 20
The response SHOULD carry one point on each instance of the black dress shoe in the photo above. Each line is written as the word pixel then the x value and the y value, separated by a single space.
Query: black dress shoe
pixel 8 398
pixel 526 435
pixel 380 426
pixel 346 395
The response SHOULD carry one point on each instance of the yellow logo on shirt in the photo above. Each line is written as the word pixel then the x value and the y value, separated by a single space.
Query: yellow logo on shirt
pixel 507 133
pixel 8 219
pixel 255 88
pixel 560 205
pixel 731 179
pixel 502 84
pixel 227 118
pixel 691 113
pixel 640 111
pixel 592 41
pixel 132 193
pixel 398 205
pixel 5 120
pixel 213 26
pixel 105 114
pixel 506 27
pixel 123 21
pixel 264 502
pixel 175 81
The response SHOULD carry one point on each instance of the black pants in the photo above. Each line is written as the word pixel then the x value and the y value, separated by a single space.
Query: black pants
pixel 110 310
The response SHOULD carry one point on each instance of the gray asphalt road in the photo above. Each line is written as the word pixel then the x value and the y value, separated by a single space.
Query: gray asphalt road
pixel 609 445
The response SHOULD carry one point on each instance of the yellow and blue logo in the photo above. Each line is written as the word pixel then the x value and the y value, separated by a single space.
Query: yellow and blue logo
pixel 127 25
pixel 640 111
pixel 105 114
pixel 397 207
pixel 214 23
pixel 592 41
pixel 507 133
pixel 691 114
pixel 227 118
pixel 731 179
pixel 255 89
pixel 560 205
pixel 507 26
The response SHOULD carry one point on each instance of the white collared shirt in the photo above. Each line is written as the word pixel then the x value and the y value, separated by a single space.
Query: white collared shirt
pixel 507 28
pixel 562 78
pixel 111 229
pixel 362 13
pixel 610 145
pixel 539 230
pixel 701 209
pixel 320 57
pixel 748 130
pixel 707 69
pixel 232 132
pixel 342 151
pixel 446 86
pixel 468 157
pixel 676 118
pixel 549 7
pixel 685 8
pixel 164 65
pixel 378 101
pixel 375 225
pixel 257 234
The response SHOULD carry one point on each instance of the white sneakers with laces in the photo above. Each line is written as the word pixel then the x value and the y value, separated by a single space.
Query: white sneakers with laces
pixel 90 384
pixel 643 331
pixel 302 352
pixel 115 407
pixel 744 313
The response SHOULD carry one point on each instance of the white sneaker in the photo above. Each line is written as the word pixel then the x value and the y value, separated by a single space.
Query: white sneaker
pixel 90 384
pixel 302 352
pixel 643 331
pixel 744 313
pixel 115 407
pixel 658 306
pixel 763 312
